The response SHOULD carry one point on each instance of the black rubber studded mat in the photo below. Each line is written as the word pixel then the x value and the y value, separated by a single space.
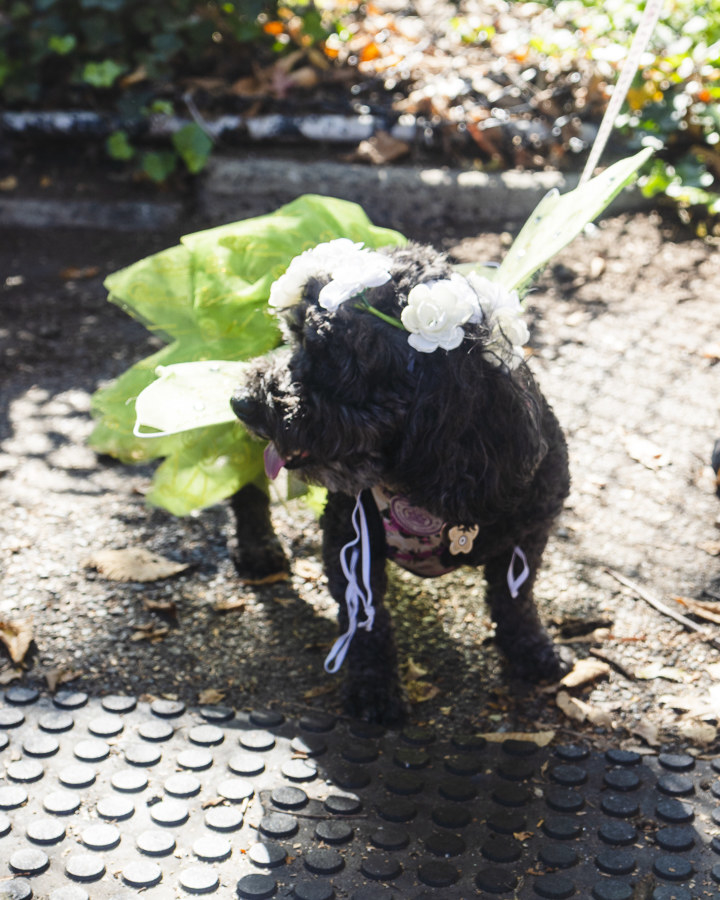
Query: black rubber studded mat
pixel 110 798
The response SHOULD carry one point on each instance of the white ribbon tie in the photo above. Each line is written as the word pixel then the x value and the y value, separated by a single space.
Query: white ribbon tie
pixel 356 594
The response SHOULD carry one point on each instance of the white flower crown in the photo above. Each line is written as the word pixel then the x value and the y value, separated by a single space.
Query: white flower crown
pixel 436 310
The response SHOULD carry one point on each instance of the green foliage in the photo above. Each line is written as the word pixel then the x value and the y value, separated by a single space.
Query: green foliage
pixel 194 146
pixel 673 102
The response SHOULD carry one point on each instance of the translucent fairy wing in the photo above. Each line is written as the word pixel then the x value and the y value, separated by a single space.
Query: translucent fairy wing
pixel 187 396
pixel 559 218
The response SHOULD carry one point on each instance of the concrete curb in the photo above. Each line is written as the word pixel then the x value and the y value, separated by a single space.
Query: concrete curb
pixel 403 197
pixel 395 196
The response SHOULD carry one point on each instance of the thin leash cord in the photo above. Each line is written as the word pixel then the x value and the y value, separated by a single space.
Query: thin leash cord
pixel 649 20
pixel 357 594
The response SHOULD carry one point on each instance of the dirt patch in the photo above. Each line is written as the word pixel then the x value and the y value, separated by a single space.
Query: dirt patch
pixel 625 346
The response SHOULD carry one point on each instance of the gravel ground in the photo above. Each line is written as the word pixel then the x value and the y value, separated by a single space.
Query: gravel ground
pixel 624 340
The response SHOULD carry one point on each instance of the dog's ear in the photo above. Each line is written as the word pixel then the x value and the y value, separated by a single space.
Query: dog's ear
pixel 474 438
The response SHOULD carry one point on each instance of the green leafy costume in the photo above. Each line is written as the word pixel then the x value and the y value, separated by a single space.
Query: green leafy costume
pixel 208 298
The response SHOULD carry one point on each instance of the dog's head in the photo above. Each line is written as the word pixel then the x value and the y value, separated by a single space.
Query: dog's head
pixel 349 403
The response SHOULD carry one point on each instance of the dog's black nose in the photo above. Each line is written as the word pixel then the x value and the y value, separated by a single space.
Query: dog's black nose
pixel 244 408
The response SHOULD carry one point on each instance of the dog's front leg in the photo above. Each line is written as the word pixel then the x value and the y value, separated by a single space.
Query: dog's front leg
pixel 255 549
pixel 518 630
pixel 372 688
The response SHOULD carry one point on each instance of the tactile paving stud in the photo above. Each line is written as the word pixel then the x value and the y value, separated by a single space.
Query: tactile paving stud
pixel 40 745
pixel 29 861
pixel 224 818
pixel 167 709
pixel 17 889
pixel 197 760
pixel 256 887
pixel 45 831
pixel 79 775
pixel 21 696
pixel 85 866
pixel 70 699
pixel 118 703
pixel 206 735
pixel 380 866
pixel 385 815
pixel 101 837
pixel 212 848
pixel 169 813
pixel 93 750
pixel 199 880
pixel 25 770
pixel 62 803
pixel 115 806
pixel 159 731
pixel 141 874
pixel 267 855
pixel 106 726
pixel 154 842
pixel 12 796
pixel 323 861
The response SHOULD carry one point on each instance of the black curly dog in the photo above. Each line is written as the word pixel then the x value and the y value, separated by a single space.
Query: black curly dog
pixel 453 437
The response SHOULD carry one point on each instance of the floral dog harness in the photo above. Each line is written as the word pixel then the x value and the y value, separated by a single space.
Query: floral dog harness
pixel 415 537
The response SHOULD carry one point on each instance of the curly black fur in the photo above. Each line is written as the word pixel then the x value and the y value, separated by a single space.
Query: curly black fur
pixel 350 405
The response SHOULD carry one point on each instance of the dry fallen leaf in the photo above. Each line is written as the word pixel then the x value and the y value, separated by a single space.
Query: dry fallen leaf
pixel 56 677
pixel 210 697
pixel 319 691
pixel 133 564
pixel 149 633
pixel 658 670
pixel 414 671
pixel 541 738
pixel 421 691
pixel 648 732
pixel 380 149
pixel 167 607
pixel 708 611
pixel 229 605
pixel 305 568
pixel 17 637
pixel 73 273
pixel 274 578
pixel 645 452
pixel 697 732
pixel 579 711
pixel 710 547
pixel 584 671
pixel 8 675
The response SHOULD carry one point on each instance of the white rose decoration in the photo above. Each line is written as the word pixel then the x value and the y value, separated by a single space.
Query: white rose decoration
pixel 350 267
pixel 502 312
pixel 351 275
pixel 436 312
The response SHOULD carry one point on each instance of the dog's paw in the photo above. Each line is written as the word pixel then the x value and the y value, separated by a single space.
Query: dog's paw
pixel 542 662
pixel 382 704
pixel 259 562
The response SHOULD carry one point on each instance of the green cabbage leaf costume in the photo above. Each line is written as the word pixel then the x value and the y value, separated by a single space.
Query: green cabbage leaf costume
pixel 207 297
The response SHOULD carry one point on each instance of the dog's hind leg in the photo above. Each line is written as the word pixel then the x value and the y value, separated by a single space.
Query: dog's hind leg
pixel 255 549
pixel 372 687
pixel 518 630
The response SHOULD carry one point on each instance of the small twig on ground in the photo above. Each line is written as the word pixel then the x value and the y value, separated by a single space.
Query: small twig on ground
pixel 665 610
pixel 611 661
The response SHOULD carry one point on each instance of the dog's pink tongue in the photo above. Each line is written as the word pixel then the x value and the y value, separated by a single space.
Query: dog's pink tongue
pixel 273 461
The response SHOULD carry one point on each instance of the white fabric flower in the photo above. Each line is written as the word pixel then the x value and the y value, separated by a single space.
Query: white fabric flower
pixel 502 313
pixel 351 276
pixel 350 267
pixel 436 312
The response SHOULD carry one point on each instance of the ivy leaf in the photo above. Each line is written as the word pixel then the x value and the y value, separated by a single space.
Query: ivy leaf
pixel 159 166
pixel 118 146
pixel 193 145
pixel 103 74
